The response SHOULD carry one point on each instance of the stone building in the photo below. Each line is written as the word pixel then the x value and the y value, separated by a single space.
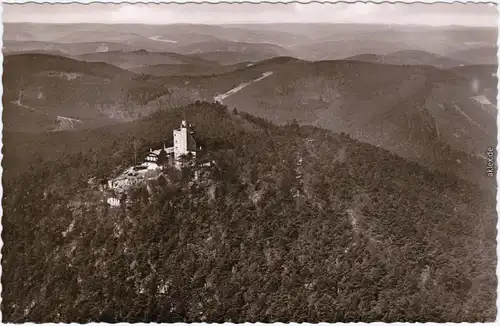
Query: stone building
pixel 184 149
pixel 184 146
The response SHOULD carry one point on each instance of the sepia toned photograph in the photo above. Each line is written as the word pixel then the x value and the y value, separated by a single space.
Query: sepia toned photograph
pixel 215 163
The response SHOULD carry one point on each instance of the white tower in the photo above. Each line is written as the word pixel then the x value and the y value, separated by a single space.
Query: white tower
pixel 180 141
pixel 182 144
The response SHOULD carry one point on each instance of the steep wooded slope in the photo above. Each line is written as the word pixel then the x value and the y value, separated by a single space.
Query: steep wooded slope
pixel 371 236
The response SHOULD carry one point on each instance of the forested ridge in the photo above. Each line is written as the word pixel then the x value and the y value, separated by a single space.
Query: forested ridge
pixel 369 237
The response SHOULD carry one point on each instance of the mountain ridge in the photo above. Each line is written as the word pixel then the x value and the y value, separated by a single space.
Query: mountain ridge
pixel 403 108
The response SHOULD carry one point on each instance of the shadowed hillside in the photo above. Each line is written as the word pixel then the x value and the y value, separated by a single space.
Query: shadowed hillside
pixel 93 92
pixel 426 114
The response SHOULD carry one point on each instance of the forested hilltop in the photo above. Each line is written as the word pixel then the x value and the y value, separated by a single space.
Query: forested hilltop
pixel 293 224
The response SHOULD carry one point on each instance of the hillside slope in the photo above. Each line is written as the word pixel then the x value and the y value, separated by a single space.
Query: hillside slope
pixel 419 112
pixel 188 69
pixel 478 55
pixel 93 92
pixel 443 119
pixel 370 237
pixel 409 57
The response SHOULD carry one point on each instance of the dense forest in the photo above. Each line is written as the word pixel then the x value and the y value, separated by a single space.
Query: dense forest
pixel 294 223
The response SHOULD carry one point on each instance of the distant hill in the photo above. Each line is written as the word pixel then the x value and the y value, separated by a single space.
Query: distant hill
pixel 133 54
pixel 339 49
pixel 242 51
pixel 307 41
pixel 483 82
pixel 336 41
pixel 478 56
pixel 406 109
pixel 353 230
pixel 188 69
pixel 143 58
pixel 367 57
pixel 41 51
pixel 20 34
pixel 68 49
pixel 145 35
pixel 93 92
pixel 483 79
pixel 409 57
pixel 234 57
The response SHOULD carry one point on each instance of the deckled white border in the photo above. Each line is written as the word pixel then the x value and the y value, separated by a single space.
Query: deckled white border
pixel 249 1
pixel 497 165
pixel 1 154
pixel 497 2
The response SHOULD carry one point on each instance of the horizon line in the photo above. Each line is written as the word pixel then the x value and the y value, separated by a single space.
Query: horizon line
pixel 255 23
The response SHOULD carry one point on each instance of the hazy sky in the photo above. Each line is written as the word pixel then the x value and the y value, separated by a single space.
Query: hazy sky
pixel 426 14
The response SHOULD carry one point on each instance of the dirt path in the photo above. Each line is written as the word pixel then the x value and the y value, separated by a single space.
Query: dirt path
pixel 157 39
pixel 64 122
pixel 221 97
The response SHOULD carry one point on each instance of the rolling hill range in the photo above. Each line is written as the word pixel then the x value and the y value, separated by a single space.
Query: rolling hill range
pixel 188 69
pixel 76 37
pixel 67 49
pixel 478 56
pixel 257 51
pixel 371 236
pixel 444 119
pixel 96 93
pixel 234 58
pixel 179 38
pixel 205 53
pixel 311 42
pixel 143 58
pixel 134 54
pixel 168 36
pixel 415 111
pixel 346 40
pixel 409 57
pixel 340 48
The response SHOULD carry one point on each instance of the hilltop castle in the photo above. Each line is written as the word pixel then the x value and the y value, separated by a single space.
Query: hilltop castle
pixel 184 146
pixel 184 149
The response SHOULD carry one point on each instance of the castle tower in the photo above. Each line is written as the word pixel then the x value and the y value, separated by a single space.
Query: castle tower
pixel 183 143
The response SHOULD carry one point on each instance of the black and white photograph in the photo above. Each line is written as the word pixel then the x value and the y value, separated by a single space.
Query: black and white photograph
pixel 249 162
